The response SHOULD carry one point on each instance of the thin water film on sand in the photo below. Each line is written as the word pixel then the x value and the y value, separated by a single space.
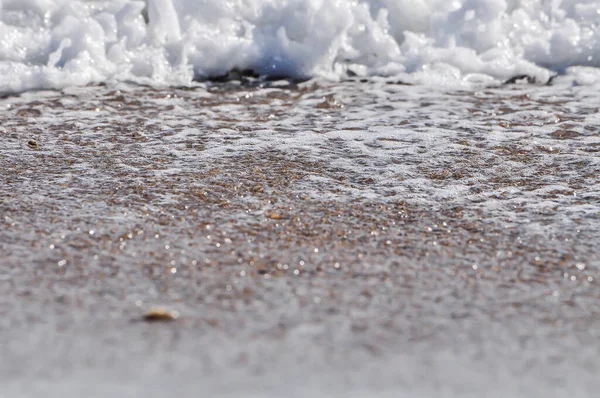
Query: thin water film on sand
pixel 358 236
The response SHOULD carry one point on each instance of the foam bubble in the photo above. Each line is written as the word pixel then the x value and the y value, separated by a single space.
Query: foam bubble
pixel 60 43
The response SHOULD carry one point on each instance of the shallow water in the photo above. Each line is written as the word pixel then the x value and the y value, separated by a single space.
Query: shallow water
pixel 362 238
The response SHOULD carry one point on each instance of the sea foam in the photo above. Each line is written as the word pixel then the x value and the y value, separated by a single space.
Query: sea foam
pixel 59 43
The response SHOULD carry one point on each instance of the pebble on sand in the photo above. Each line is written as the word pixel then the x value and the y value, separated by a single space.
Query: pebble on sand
pixel 160 314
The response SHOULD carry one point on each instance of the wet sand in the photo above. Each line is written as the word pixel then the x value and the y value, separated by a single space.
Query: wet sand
pixel 300 265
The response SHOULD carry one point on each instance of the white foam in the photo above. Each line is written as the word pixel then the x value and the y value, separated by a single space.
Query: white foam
pixel 59 43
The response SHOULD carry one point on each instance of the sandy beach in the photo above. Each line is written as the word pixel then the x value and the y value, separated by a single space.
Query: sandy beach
pixel 456 257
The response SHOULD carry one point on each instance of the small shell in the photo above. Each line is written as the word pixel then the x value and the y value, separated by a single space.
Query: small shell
pixel 32 144
pixel 160 314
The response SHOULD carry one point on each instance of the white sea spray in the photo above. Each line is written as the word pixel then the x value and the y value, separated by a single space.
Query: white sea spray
pixel 59 43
